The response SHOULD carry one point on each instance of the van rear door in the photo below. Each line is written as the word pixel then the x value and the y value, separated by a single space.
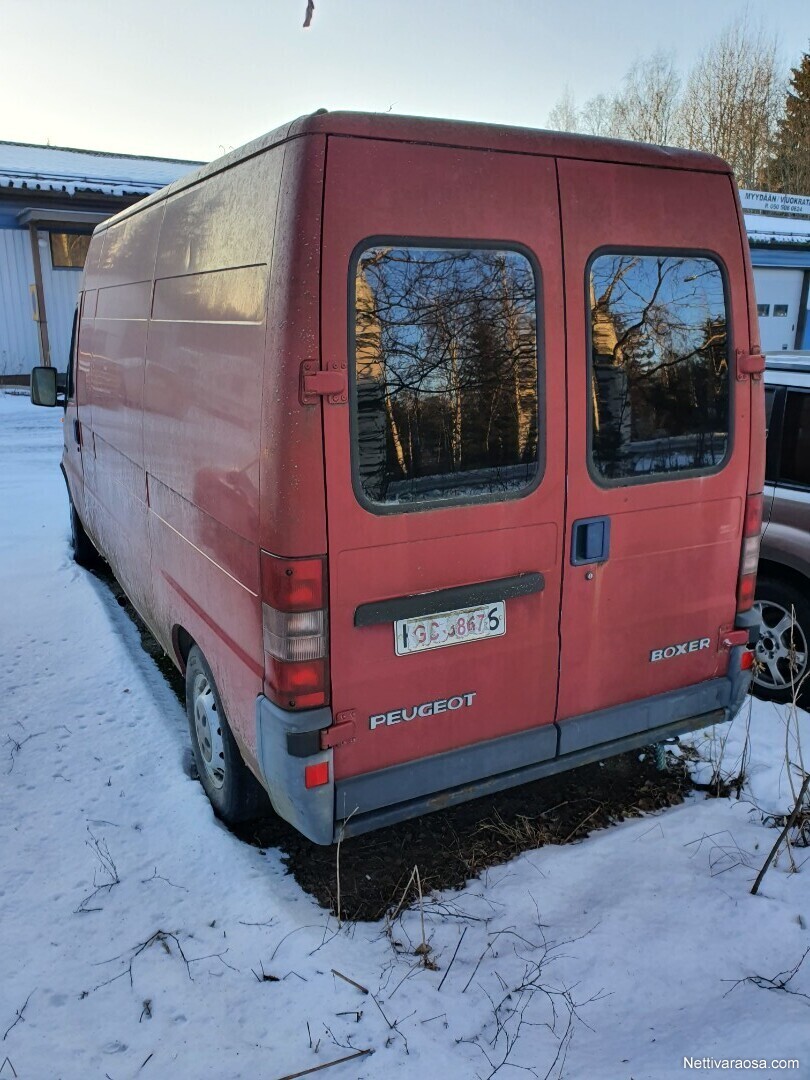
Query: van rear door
pixel 442 307
pixel 659 431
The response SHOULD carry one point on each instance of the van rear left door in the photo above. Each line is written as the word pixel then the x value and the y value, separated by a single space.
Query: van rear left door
pixel 441 301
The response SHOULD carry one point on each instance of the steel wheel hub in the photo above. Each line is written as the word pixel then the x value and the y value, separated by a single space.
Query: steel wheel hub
pixel 781 652
pixel 209 731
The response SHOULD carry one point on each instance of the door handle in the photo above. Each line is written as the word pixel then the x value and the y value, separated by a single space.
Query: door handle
pixel 77 432
pixel 590 540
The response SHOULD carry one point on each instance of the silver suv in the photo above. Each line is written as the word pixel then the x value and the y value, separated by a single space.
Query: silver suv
pixel 783 584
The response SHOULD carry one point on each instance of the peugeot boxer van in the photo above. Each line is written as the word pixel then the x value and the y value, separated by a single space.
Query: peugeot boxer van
pixel 431 452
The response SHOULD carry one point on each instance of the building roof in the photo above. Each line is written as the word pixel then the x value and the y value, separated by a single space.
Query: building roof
pixel 767 229
pixel 30 167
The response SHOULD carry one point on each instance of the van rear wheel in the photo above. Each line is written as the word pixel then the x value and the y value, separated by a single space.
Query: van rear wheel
pixel 233 791
pixel 781 654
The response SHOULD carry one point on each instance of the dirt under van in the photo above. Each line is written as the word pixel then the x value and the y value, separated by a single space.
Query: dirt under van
pixel 431 452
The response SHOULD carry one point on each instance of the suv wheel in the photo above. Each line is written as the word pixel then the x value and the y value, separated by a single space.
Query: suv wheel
pixel 781 654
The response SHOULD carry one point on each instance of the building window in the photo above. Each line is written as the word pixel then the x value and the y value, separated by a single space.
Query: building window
pixel 445 375
pixel 659 386
pixel 69 250
pixel 763 310
pixel 780 311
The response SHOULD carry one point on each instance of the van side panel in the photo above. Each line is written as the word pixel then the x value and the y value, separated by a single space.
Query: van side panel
pixel 202 421
pixel 116 488
pixel 293 513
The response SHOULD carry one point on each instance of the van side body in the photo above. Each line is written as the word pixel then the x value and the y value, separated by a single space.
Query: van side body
pixel 246 415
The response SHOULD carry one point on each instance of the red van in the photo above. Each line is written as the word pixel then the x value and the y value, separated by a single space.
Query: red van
pixel 431 452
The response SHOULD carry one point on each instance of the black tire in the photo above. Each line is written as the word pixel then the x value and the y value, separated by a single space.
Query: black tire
pixel 232 789
pixel 781 656
pixel 83 551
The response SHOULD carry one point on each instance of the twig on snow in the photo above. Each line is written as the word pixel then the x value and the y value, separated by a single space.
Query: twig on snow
pixel 108 867
pixel 791 821
pixel 159 877
pixel 452 958
pixel 326 1065
pixel 779 981
pixel 16 746
pixel 161 937
pixel 351 982
pixel 19 1016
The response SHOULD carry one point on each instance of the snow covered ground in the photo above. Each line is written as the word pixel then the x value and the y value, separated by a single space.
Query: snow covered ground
pixel 138 938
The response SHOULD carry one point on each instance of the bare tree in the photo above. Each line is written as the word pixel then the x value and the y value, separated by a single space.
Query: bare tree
pixel 646 108
pixel 732 100
pixel 564 116
pixel 599 116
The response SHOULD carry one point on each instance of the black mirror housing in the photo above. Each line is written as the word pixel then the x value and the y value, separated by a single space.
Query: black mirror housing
pixel 43 386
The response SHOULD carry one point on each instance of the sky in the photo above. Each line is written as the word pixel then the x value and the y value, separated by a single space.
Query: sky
pixel 194 78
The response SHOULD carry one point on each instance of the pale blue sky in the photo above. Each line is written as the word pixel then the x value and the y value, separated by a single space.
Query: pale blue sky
pixel 189 79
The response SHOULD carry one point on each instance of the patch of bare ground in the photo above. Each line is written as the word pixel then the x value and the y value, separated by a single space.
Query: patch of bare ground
pixel 452 846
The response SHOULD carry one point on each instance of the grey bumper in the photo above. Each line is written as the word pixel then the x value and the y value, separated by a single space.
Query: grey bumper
pixel 310 810
pixel 372 800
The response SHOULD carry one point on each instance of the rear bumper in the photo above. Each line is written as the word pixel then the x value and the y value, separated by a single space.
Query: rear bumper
pixel 372 800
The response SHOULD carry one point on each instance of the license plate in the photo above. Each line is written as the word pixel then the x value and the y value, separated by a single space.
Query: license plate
pixel 449 628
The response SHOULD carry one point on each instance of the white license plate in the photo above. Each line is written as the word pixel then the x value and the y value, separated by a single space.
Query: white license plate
pixel 449 628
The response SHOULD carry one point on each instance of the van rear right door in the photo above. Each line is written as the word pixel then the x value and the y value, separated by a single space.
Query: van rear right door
pixel 658 446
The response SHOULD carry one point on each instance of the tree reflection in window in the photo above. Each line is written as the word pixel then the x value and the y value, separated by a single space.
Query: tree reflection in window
pixel 446 373
pixel 659 365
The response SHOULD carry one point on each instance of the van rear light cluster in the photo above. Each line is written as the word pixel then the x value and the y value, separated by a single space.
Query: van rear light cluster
pixel 749 560
pixel 294 623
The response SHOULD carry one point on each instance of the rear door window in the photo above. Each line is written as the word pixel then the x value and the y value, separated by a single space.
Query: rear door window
pixel 445 380
pixel 659 355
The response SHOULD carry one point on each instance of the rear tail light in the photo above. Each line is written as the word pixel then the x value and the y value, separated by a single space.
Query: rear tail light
pixel 291 636
pixel 294 622
pixel 749 559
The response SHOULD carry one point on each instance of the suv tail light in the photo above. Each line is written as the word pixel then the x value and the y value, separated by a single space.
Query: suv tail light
pixel 294 623
pixel 750 552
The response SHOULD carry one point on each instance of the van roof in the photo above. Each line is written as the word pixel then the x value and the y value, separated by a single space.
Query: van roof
pixel 460 133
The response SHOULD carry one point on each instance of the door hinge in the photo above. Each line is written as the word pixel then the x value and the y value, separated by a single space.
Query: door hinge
pixel 341 732
pixel 329 382
pixel 752 363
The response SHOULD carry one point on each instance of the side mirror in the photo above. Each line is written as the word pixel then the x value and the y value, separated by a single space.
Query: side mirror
pixel 43 386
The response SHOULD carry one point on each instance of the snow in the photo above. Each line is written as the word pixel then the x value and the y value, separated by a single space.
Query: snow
pixel 56 168
pixel 769 228
pixel 647 925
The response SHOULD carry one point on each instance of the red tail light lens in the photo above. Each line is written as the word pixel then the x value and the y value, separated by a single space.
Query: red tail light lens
pixel 293 584
pixel 749 559
pixel 753 515
pixel 299 685
pixel 294 621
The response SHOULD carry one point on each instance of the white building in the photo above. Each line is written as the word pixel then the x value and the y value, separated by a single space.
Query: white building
pixel 51 198
pixel 778 228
